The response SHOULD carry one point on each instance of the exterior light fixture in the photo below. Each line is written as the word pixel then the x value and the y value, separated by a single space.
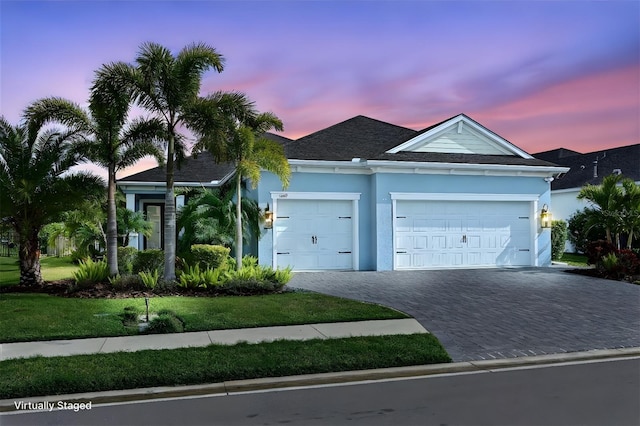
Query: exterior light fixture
pixel 545 217
pixel 268 218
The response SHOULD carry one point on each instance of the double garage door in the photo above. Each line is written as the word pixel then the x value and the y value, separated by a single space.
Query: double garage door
pixel 314 234
pixel 461 233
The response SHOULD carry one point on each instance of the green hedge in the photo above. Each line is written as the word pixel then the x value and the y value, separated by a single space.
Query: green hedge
pixel 558 238
pixel 210 256
pixel 148 260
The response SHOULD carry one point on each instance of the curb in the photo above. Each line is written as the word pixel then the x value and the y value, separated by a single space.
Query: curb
pixel 235 386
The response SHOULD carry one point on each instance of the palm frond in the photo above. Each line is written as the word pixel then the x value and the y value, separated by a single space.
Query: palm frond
pixel 55 109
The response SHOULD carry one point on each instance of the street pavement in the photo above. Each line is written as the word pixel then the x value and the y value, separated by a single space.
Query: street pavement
pixel 499 312
pixel 595 393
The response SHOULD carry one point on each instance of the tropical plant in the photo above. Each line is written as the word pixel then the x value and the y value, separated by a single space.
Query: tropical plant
pixel 245 146
pixel 150 278
pixel 167 86
pixel 129 221
pixel 630 210
pixel 90 273
pixel 209 217
pixel 605 199
pixel 616 206
pixel 35 183
pixel 111 142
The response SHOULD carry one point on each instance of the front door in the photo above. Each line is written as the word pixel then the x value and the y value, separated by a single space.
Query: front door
pixel 154 213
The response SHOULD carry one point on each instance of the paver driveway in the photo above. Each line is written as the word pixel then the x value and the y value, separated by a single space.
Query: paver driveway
pixel 499 313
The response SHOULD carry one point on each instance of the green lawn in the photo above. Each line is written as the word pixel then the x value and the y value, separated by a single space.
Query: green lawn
pixel 574 259
pixel 213 364
pixel 26 316
pixel 53 268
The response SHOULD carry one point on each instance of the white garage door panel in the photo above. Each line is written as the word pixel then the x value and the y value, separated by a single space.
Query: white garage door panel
pixel 314 234
pixel 461 233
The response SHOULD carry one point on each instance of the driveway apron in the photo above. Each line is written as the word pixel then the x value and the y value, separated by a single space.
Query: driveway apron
pixel 499 313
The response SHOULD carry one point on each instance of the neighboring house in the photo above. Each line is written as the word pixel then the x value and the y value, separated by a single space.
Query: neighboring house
pixel 588 168
pixel 369 195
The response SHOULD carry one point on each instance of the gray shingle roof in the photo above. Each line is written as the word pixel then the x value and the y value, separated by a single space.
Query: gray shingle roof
pixel 201 169
pixel 626 158
pixel 367 138
pixel 357 137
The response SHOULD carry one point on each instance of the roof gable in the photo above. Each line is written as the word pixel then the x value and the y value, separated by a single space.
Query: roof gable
pixel 459 135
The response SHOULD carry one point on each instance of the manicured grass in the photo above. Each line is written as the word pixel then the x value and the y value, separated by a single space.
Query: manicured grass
pixel 212 364
pixel 574 259
pixel 53 268
pixel 27 317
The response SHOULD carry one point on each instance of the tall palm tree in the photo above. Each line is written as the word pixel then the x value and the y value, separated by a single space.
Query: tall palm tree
pixel 110 141
pixel 250 152
pixel 167 86
pixel 35 186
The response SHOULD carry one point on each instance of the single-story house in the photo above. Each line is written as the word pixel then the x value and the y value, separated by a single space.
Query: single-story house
pixel 370 195
pixel 587 168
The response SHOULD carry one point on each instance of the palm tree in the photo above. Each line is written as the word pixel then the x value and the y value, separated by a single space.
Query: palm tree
pixel 110 141
pixel 605 199
pixel 630 209
pixel 35 186
pixel 250 152
pixel 167 86
pixel 209 217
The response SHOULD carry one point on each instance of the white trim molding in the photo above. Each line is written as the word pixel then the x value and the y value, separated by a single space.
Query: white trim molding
pixel 457 196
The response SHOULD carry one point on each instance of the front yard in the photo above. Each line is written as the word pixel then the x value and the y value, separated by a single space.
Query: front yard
pixel 28 317
pixel 36 316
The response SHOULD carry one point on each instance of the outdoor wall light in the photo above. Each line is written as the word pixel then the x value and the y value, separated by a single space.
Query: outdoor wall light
pixel 268 218
pixel 545 217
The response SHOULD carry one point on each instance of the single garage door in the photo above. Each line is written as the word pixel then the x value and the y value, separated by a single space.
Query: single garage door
pixel 461 233
pixel 314 234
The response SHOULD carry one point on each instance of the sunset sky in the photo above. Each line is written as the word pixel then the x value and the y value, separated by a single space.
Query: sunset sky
pixel 542 74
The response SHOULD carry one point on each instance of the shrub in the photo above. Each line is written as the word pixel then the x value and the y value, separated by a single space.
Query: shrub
pixel 149 279
pixel 558 238
pixel 126 257
pixel 165 322
pixel 581 231
pixel 596 250
pixel 90 273
pixel 130 316
pixel 126 282
pixel 609 266
pixel 210 256
pixel 148 260
pixel 629 263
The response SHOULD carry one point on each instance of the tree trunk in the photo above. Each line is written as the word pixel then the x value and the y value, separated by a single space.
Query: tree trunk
pixel 112 226
pixel 29 255
pixel 170 214
pixel 238 222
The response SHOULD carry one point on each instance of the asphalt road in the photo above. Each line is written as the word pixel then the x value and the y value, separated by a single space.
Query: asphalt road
pixel 594 393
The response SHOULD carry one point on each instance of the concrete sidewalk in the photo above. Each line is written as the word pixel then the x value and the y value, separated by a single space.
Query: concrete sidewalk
pixel 204 338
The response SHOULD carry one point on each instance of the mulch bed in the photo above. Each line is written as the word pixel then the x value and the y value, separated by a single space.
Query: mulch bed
pixel 106 291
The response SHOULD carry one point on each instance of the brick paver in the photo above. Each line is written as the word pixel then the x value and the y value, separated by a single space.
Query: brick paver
pixel 499 313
